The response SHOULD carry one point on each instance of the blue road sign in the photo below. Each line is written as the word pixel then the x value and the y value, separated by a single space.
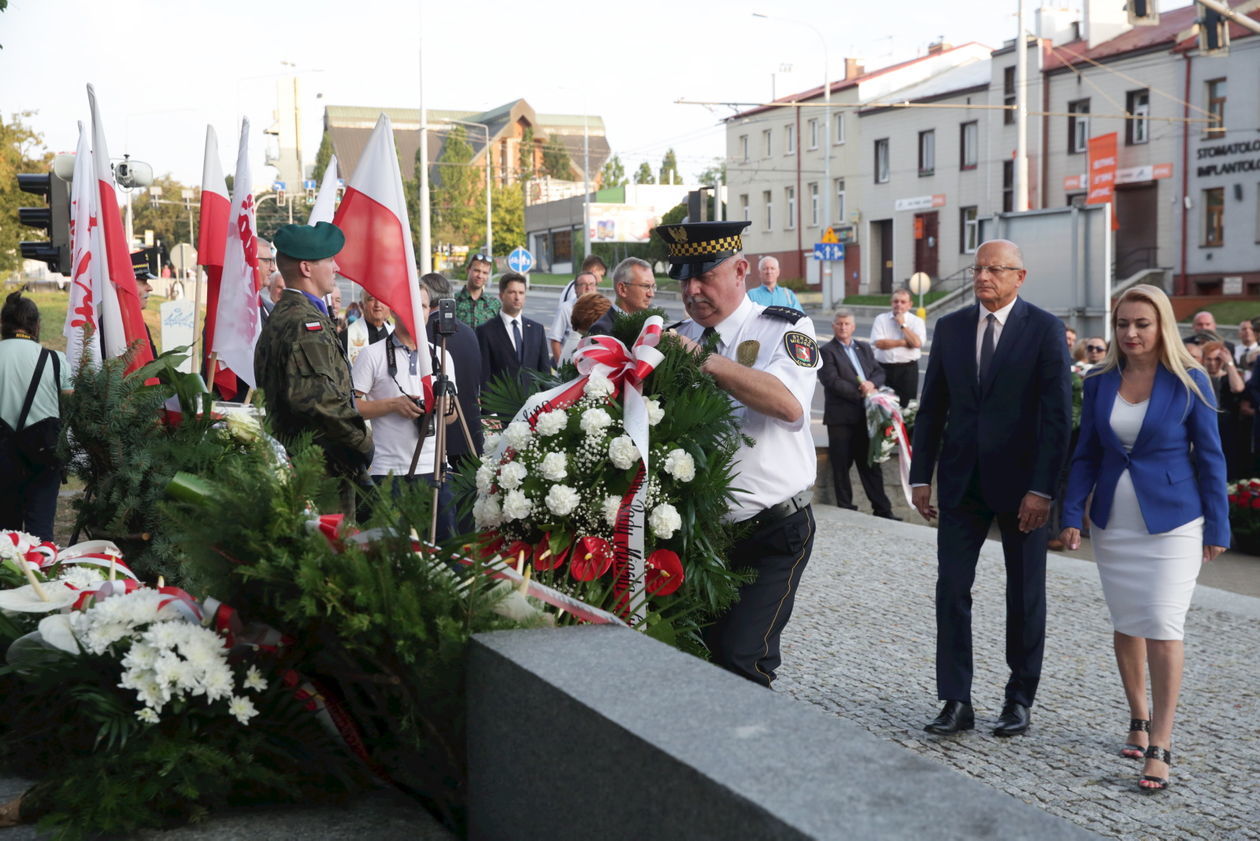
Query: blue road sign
pixel 309 184
pixel 830 251
pixel 520 260
pixel 278 186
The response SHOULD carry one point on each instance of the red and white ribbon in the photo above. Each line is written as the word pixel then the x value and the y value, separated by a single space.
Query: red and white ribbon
pixel 888 402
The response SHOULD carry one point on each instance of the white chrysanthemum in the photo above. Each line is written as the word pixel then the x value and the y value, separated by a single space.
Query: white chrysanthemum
pixel 512 474
pixel 612 504
pixel 654 411
pixel 485 478
pixel 147 715
pixel 516 506
pixel 549 423
pixel 254 681
pixel 555 466
pixel 680 465
pixel 664 521
pixel 595 421
pixel 81 577
pixel 518 435
pixel 561 500
pixel 598 386
pixel 622 452
pixel 486 512
pixel 490 441
pixel 242 709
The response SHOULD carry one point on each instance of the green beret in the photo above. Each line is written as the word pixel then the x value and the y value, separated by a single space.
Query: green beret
pixel 304 242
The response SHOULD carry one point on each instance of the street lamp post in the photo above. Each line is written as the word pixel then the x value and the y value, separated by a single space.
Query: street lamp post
pixel 489 228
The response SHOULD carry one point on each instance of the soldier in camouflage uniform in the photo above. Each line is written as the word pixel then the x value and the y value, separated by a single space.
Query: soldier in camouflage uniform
pixel 299 363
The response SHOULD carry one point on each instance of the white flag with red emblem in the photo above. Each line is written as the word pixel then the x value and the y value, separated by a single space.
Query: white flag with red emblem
pixel 121 297
pixel 82 328
pixel 211 241
pixel 326 198
pixel 237 320
pixel 379 255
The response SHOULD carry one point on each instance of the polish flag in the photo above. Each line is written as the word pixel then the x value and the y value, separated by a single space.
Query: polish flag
pixel 326 198
pixel 379 255
pixel 238 322
pixel 82 328
pixel 115 267
pixel 211 241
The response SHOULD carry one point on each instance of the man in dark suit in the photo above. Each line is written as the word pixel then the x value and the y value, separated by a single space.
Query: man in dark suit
pixel 995 413
pixel 509 341
pixel 848 374
pixel 634 286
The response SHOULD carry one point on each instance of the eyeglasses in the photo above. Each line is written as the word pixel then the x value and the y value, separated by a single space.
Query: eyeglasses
pixel 1096 348
pixel 972 271
pixel 648 286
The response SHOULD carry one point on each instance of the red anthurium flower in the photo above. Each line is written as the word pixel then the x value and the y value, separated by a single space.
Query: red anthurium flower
pixel 516 549
pixel 591 558
pixel 490 549
pixel 664 572
pixel 544 558
pixel 1255 502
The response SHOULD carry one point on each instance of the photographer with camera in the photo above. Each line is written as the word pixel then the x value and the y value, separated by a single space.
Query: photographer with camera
pixel 387 387
pixel 461 344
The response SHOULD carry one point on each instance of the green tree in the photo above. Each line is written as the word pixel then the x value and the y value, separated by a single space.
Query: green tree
pixel 669 168
pixel 507 217
pixel 168 218
pixel 556 162
pixel 457 197
pixel 269 216
pixel 322 156
pixel 21 150
pixel 644 174
pixel 656 246
pixel 714 175
pixel 526 171
pixel 613 174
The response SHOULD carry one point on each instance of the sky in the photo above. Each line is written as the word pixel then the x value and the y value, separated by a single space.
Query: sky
pixel 164 70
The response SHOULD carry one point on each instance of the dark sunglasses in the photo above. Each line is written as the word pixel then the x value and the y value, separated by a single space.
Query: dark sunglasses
pixel 1095 348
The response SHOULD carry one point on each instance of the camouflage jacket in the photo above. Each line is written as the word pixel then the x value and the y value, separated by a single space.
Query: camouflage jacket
pixel 302 370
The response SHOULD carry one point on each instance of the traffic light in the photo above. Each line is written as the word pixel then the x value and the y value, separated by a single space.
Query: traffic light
pixel 1143 13
pixel 1213 32
pixel 54 218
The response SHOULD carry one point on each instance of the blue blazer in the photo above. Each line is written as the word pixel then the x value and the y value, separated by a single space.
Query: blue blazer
pixel 1013 428
pixel 1176 463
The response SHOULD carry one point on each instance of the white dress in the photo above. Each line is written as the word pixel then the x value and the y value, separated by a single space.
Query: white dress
pixel 1147 579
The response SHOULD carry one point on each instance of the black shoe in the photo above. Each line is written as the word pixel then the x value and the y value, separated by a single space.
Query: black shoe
pixel 1014 720
pixel 955 717
pixel 890 516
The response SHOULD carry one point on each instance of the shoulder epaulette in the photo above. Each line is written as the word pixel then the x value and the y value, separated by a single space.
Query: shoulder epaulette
pixel 789 314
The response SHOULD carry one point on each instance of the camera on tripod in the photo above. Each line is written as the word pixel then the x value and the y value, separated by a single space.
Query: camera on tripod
pixel 446 317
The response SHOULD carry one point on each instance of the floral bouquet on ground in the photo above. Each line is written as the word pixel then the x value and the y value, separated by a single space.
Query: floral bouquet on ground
pixel 1244 515
pixel 566 491
pixel 887 427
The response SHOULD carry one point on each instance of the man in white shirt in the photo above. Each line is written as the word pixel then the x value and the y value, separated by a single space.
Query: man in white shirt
pixel 368 330
pixel 562 324
pixel 898 338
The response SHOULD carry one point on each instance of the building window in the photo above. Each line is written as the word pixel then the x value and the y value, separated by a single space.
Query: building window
pixel 882 171
pixel 813 133
pixel 838 128
pixel 837 212
pixel 789 198
pixel 969 226
pixel 1078 126
pixel 767 199
pixel 1216 107
pixel 814 209
pixel 743 148
pixel 1214 216
pixel 766 145
pixel 927 152
pixel 1137 129
pixel 1076 199
pixel 1008 186
pixel 789 132
pixel 969 145
pixel 743 202
pixel 1008 95
pixel 562 246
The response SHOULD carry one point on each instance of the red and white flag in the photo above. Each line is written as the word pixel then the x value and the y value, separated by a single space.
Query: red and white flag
pixel 326 198
pixel 115 265
pixel 82 328
pixel 211 242
pixel 379 255
pixel 238 322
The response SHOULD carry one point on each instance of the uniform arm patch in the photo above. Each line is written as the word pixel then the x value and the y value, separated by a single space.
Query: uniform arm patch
pixel 789 314
pixel 801 349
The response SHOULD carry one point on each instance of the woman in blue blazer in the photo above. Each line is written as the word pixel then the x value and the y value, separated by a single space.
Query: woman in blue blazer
pixel 1150 452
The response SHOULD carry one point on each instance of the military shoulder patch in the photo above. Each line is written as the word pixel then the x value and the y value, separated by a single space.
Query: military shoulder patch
pixel 802 349
pixel 313 326
pixel 789 314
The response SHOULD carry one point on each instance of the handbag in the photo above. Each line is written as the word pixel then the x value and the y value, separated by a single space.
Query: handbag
pixel 36 445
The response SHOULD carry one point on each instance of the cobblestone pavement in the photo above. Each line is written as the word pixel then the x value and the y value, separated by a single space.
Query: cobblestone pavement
pixel 860 646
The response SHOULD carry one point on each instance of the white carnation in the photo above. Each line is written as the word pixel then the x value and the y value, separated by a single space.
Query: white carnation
pixel 555 466
pixel 612 504
pixel 622 452
pixel 512 474
pixel 518 435
pixel 664 521
pixel 654 411
pixel 680 465
pixel 490 441
pixel 254 681
pixel 486 512
pixel 485 478
pixel 242 709
pixel 595 421
pixel 598 386
pixel 549 423
pixel 516 506
pixel 561 500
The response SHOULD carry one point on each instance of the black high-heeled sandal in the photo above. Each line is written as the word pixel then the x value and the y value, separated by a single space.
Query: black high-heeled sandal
pixel 1160 783
pixel 1131 750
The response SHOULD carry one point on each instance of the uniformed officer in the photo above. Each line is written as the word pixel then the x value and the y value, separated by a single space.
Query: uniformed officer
pixel 766 359
pixel 299 363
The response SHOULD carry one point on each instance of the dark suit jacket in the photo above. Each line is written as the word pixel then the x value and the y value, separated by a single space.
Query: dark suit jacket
pixel 466 358
pixel 844 403
pixel 498 355
pixel 1176 463
pixel 1013 427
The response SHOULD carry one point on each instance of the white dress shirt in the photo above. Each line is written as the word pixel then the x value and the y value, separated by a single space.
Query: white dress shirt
pixel 886 327
pixel 519 318
pixel 983 323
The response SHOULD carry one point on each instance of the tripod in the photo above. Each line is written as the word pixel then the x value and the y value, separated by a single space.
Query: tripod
pixel 444 400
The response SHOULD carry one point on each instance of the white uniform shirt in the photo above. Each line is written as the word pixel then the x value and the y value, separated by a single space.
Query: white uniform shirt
pixel 782 461
pixel 562 324
pixel 357 337
pixel 394 436
pixel 885 327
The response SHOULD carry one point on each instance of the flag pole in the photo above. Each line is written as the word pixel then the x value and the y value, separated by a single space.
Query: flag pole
pixel 426 246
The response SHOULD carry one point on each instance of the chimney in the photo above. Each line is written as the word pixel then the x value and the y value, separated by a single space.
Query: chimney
pixel 938 47
pixel 852 69
pixel 1103 21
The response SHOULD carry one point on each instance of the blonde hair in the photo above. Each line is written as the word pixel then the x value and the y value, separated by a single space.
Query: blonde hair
pixel 1172 352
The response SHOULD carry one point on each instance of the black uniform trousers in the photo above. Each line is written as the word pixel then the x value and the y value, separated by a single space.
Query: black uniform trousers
pixel 745 640
pixel 903 378
pixel 962 532
pixel 848 443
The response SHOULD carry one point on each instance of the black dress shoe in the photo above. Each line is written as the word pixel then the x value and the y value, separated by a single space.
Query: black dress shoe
pixel 955 717
pixel 890 516
pixel 1014 720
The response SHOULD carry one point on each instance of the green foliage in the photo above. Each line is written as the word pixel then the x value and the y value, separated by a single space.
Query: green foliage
pixel 169 219
pixel 669 168
pixel 556 161
pixel 323 155
pixel 270 214
pixel 643 175
pixel 526 170
pixel 714 175
pixel 656 246
pixel 507 216
pixel 21 150
pixel 613 174
pixel 458 194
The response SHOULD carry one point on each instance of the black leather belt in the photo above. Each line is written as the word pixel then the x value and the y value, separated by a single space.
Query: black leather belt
pixel 781 511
